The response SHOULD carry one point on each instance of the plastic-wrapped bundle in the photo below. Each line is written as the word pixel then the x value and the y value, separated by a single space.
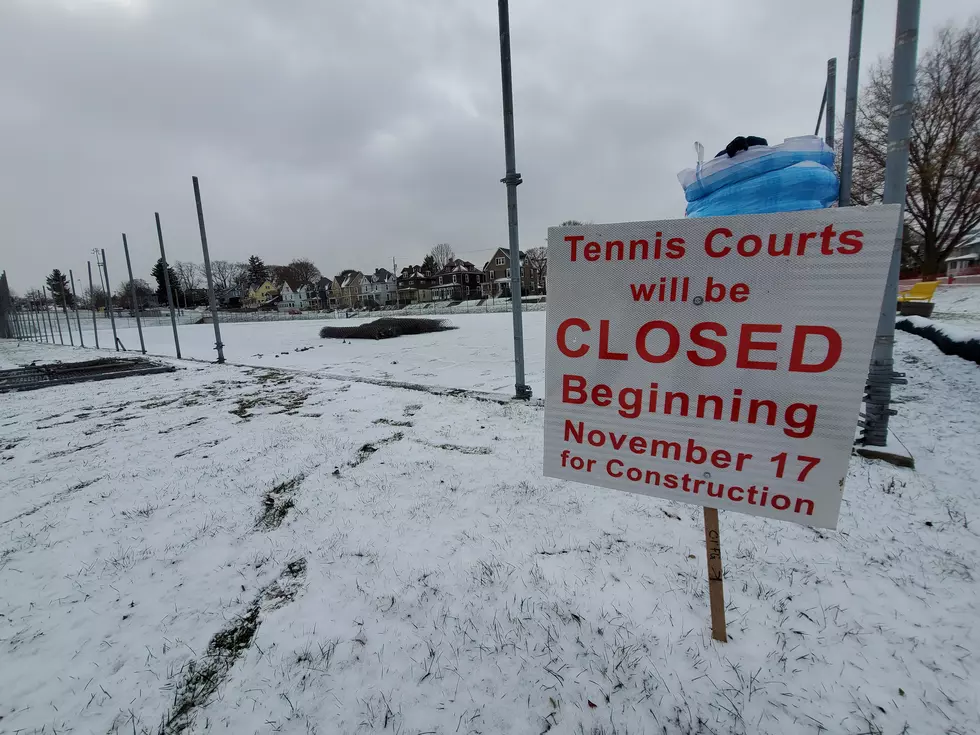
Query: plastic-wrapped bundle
pixel 723 171
pixel 806 185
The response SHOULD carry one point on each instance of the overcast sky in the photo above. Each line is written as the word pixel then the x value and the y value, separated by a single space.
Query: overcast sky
pixel 354 132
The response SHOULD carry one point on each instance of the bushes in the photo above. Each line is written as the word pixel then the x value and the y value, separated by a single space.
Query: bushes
pixel 386 328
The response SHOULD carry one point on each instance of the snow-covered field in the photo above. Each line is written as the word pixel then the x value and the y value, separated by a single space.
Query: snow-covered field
pixel 958 305
pixel 479 355
pixel 246 550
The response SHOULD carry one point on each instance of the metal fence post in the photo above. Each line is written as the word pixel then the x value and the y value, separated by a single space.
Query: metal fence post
pixel 78 317
pixel 54 303
pixel 850 102
pixel 47 313
pixel 166 283
pixel 881 374
pixel 133 295
pixel 91 293
pixel 212 301
pixel 108 300
pixel 512 180
pixel 64 308
pixel 42 333
pixel 831 121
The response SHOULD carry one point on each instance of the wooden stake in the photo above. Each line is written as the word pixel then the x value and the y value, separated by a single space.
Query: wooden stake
pixel 716 585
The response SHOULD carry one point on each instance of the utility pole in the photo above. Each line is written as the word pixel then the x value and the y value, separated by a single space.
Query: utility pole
pixel 91 293
pixel 831 121
pixel 133 295
pixel 512 180
pixel 166 283
pixel 207 273
pixel 881 375
pixel 108 300
pixel 850 102
pixel 78 317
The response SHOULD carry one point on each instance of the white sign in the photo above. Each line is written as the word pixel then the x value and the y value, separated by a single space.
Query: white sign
pixel 717 361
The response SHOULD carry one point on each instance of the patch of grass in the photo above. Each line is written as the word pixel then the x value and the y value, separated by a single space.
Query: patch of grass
pixel 392 422
pixel 368 449
pixel 461 449
pixel 277 503
pixel 202 679
pixel 286 401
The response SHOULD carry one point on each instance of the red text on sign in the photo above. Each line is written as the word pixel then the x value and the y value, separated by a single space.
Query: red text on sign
pixel 709 349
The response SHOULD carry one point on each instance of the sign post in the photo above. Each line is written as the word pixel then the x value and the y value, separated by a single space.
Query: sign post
pixel 717 361
pixel 716 584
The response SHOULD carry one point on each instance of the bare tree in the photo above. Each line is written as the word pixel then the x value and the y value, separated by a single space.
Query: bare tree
pixel 189 275
pixel 223 272
pixel 537 261
pixel 124 293
pixel 442 254
pixel 942 201
pixel 93 297
pixel 36 297
pixel 303 272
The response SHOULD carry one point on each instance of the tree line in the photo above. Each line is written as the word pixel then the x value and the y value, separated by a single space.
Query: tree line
pixel 942 200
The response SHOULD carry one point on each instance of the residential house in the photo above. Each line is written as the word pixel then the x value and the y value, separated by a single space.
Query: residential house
pixel 379 289
pixel 346 293
pixel 301 297
pixel 324 292
pixel 261 294
pixel 415 285
pixel 496 281
pixel 458 280
pixel 965 258
pixel 231 298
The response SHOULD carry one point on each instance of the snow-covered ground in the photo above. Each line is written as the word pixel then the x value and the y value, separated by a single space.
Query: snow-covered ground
pixel 248 550
pixel 958 305
pixel 479 355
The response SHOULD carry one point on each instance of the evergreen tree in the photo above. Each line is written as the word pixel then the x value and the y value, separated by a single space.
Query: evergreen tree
pixel 258 273
pixel 157 274
pixel 58 283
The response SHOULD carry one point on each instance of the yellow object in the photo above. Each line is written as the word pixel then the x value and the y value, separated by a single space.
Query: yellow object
pixel 922 291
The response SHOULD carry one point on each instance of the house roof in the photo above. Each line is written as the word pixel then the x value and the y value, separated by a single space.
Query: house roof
pixel 351 278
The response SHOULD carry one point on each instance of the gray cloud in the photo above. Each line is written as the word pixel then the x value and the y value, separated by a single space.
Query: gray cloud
pixel 353 132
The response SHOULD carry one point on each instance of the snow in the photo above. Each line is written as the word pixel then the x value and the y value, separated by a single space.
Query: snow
pixel 478 355
pixel 958 304
pixel 955 333
pixel 424 577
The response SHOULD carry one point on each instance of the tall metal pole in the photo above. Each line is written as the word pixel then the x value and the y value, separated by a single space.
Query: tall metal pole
pixel 108 300
pixel 896 176
pixel 38 322
pixel 823 103
pixel 64 308
pixel 47 313
pixel 850 102
pixel 78 317
pixel 103 285
pixel 512 180
pixel 91 291
pixel 207 272
pixel 132 291
pixel 166 284
pixel 831 121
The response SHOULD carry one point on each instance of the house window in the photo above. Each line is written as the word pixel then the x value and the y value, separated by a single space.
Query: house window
pixel 508 273
pixel 522 273
pixel 454 279
pixel 499 261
